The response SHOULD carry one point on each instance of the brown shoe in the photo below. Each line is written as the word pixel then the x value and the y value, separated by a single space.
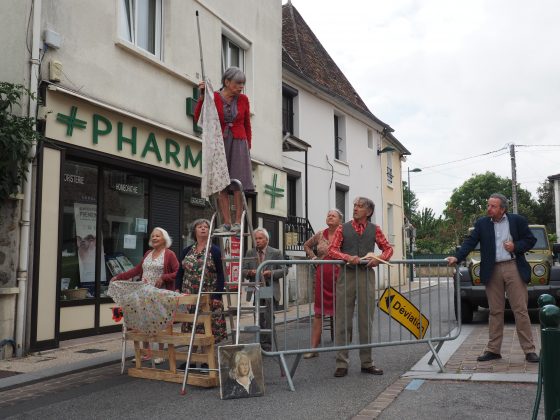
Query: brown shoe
pixel 310 355
pixel 340 372
pixel 488 355
pixel 372 370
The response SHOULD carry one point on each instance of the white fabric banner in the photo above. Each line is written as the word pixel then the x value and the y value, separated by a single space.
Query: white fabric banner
pixel 215 174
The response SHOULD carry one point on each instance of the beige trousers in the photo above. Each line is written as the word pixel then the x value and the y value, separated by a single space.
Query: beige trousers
pixel 506 278
pixel 354 284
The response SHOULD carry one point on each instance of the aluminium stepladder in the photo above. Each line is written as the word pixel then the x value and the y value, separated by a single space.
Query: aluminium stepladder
pixel 235 328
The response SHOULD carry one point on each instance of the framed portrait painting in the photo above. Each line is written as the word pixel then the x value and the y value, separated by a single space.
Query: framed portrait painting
pixel 241 371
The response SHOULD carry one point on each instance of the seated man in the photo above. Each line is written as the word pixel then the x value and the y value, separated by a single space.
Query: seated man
pixel 272 274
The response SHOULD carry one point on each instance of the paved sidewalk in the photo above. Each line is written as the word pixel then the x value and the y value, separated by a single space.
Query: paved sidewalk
pixel 423 390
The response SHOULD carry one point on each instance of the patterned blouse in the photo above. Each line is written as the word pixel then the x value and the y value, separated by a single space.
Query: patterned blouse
pixel 152 269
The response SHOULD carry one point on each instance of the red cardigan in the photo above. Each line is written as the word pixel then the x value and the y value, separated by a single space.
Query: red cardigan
pixel 170 267
pixel 241 126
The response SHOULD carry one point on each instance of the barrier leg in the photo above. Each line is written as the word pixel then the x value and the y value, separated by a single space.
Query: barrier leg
pixel 436 356
pixel 295 365
pixel 438 348
pixel 288 374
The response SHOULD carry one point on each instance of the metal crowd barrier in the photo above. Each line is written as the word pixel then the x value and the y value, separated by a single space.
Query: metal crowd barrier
pixel 432 290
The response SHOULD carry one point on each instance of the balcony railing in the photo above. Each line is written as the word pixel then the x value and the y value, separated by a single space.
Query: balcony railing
pixel 297 230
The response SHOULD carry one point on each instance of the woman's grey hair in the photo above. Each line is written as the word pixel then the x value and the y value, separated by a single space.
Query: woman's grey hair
pixel 263 231
pixel 195 224
pixel 166 237
pixel 337 211
pixel 503 200
pixel 235 74
pixel 233 372
pixel 366 202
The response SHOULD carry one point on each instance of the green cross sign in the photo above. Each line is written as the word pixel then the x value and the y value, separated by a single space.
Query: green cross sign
pixel 71 121
pixel 273 190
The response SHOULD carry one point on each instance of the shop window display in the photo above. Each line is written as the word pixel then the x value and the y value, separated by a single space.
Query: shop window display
pixel 125 222
pixel 79 231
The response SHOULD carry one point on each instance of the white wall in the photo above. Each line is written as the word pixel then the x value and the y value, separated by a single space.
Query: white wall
pixel 102 66
pixel 360 172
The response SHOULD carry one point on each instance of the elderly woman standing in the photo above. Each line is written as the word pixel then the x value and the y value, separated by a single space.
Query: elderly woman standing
pixel 189 273
pixel 159 265
pixel 158 268
pixel 235 119
pixel 325 276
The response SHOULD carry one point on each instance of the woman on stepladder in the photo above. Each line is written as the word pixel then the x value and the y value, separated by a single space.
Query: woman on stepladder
pixel 235 119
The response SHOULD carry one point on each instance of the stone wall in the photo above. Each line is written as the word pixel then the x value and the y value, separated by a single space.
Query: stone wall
pixel 9 247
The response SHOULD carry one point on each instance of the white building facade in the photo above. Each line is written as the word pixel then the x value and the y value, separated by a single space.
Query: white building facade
pixel 117 82
pixel 349 151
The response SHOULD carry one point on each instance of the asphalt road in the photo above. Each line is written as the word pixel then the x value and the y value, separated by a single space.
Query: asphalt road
pixel 103 393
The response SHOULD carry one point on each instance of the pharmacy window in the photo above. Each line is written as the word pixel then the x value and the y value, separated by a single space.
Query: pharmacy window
pixel 140 23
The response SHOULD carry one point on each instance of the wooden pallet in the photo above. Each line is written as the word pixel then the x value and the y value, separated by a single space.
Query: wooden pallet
pixel 203 343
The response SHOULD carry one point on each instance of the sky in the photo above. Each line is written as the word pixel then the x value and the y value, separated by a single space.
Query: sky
pixel 456 80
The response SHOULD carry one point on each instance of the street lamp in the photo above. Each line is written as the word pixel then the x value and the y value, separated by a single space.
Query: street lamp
pixel 410 233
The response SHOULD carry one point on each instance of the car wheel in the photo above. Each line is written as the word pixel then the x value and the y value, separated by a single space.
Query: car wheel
pixel 467 311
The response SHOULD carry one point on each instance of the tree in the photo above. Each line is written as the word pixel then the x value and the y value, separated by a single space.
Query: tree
pixel 17 135
pixel 544 209
pixel 469 201
pixel 410 201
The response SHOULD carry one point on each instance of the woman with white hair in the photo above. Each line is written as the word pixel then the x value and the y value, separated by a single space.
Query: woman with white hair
pixel 235 119
pixel 159 266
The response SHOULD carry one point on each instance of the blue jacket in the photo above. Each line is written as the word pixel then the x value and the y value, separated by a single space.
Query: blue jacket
pixel 483 232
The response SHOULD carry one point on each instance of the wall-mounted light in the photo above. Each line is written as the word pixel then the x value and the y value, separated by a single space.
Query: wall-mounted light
pixel 386 149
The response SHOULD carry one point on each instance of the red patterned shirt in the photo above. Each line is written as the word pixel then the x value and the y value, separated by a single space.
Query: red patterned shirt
pixel 336 254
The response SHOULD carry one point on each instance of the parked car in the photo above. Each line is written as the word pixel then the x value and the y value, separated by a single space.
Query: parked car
pixel 545 276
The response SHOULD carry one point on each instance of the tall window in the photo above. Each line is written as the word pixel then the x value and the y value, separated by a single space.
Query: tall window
pixel 390 168
pixel 288 95
pixel 232 54
pixel 141 24
pixel 292 196
pixel 339 134
pixel 390 224
pixel 370 139
pixel 340 199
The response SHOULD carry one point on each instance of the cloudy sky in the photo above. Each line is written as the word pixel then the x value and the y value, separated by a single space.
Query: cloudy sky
pixel 456 80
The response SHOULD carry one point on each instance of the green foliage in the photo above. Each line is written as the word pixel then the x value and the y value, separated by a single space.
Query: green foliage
pixel 468 202
pixel 17 135
pixel 432 236
pixel 544 209
pixel 410 201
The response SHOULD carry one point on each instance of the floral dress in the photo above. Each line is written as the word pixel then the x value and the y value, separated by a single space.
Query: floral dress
pixel 152 269
pixel 193 264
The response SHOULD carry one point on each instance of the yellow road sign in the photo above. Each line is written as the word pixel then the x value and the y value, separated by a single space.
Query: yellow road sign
pixel 403 311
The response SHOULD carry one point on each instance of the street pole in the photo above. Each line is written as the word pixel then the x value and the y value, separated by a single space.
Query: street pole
pixel 513 178
pixel 410 228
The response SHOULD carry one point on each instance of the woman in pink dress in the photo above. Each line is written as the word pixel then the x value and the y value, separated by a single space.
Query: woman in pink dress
pixel 325 276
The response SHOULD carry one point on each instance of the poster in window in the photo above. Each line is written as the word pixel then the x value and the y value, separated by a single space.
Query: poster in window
pixel 113 266
pixel 231 250
pixel 86 220
pixel 124 262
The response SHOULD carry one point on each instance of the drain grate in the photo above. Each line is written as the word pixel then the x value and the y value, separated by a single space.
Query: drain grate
pixel 90 351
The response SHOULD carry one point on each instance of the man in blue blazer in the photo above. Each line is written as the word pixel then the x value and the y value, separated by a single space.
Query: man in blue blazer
pixel 504 239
